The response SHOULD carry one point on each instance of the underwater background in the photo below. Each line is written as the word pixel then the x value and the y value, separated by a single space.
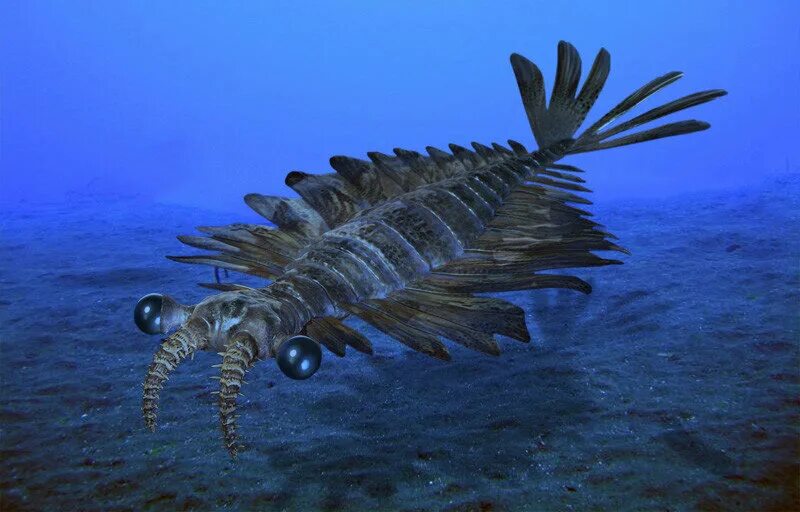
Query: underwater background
pixel 674 386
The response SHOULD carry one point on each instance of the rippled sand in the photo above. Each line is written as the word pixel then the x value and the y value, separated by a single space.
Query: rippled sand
pixel 673 386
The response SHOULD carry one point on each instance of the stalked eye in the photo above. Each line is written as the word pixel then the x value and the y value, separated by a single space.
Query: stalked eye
pixel 147 313
pixel 299 357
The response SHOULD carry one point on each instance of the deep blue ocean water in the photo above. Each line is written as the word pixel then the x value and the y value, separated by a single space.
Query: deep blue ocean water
pixel 675 385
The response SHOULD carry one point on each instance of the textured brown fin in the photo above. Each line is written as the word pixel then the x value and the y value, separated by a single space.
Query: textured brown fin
pixel 437 325
pixel 563 116
pixel 502 149
pixel 668 130
pixel 487 154
pixel 470 159
pixel 499 265
pixel 224 287
pixel 561 120
pixel 248 248
pixel 396 169
pixel 560 184
pixel 516 246
pixel 372 313
pixel 691 100
pixel 566 111
pixel 209 244
pixel 594 83
pixel 518 148
pixel 372 184
pixel 327 201
pixel 631 101
pixel 484 314
pixel 561 175
pixel 425 168
pixel 533 230
pixel 531 89
pixel 288 214
pixel 449 164
pixel 231 262
pixel 594 139
pixel 358 184
pixel 385 177
pixel 333 198
pixel 335 335
pixel 482 283
pixel 535 209
pixel 542 257
pixel 284 245
pixel 415 316
pixel 564 167
pixel 551 193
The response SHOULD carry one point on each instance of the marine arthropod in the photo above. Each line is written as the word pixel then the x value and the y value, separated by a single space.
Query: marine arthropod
pixel 405 241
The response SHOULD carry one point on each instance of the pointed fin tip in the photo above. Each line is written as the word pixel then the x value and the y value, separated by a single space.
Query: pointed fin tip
pixel 400 152
pixel 224 287
pixel 442 355
pixel 566 45
pixel 524 69
pixel 494 351
pixel 295 177
pixel 619 248
pixel 256 202
pixel 433 151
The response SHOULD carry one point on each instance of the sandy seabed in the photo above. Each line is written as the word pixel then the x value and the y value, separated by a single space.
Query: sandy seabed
pixel 674 386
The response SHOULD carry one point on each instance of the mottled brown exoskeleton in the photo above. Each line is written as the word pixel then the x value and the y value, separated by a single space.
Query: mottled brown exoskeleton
pixel 404 242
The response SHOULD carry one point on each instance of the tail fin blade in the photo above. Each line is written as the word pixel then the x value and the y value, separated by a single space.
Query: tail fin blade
pixel 668 130
pixel 561 119
pixel 631 101
pixel 689 101
pixel 594 83
pixel 531 89
pixel 568 74
pixel 563 114
pixel 554 125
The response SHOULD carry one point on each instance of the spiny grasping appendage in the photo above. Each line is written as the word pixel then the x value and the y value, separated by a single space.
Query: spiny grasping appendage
pixel 238 358
pixel 172 351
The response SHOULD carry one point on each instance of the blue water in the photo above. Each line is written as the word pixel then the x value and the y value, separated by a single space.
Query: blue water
pixel 197 103
pixel 673 386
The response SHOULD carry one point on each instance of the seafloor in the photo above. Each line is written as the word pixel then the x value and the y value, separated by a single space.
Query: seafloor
pixel 674 386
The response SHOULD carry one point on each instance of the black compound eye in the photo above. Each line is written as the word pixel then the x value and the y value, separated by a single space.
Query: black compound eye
pixel 299 357
pixel 147 313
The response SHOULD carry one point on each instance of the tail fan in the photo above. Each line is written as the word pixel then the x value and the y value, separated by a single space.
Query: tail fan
pixel 566 112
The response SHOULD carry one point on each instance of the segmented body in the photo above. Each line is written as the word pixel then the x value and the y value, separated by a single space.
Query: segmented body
pixel 398 242
pixel 406 242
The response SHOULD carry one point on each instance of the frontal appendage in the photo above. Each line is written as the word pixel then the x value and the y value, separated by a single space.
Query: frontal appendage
pixel 242 327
